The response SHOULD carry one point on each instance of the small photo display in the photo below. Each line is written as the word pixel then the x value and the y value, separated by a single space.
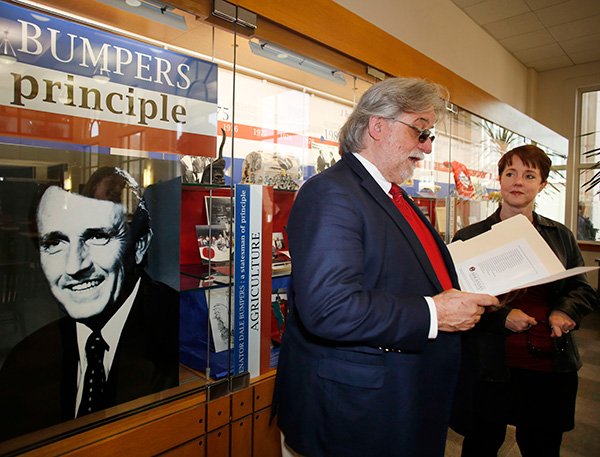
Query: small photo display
pixel 280 308
pixel 213 242
pixel 281 262
pixel 278 241
pixel 219 310
pixel 218 210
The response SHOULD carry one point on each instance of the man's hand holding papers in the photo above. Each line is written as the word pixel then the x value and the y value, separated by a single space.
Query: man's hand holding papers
pixel 458 311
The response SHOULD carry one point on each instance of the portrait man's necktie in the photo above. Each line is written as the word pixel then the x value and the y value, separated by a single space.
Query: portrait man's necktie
pixel 94 382
pixel 424 234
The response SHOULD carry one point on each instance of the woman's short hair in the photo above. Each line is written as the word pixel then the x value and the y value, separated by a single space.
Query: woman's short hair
pixel 531 156
pixel 390 98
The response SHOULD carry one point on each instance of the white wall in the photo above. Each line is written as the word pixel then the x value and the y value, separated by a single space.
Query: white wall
pixel 441 31
pixel 557 94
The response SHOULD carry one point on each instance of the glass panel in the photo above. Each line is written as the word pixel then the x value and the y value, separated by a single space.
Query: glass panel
pixel 551 201
pixel 286 130
pixel 430 185
pixel 559 161
pixel 77 241
pixel 65 256
pixel 476 147
pixel 589 135
pixel 207 225
pixel 588 214
pixel 588 208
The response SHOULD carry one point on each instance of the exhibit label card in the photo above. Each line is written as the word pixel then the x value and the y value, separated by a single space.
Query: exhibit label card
pixel 252 278
pixel 510 256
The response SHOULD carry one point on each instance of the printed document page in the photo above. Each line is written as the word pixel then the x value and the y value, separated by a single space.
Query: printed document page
pixel 512 255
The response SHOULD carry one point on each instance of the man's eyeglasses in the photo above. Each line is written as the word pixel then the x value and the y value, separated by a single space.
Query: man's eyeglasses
pixel 424 134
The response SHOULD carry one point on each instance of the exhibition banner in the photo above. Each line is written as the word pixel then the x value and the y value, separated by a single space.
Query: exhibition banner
pixel 252 278
pixel 66 82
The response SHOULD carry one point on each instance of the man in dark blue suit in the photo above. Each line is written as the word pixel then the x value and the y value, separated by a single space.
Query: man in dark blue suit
pixel 371 353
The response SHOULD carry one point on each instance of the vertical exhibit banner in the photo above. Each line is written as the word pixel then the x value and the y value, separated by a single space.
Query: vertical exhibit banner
pixel 91 88
pixel 252 278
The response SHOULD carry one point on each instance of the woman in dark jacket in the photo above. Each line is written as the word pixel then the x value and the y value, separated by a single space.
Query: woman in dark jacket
pixel 525 360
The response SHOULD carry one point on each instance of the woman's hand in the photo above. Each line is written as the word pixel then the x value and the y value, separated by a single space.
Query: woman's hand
pixel 560 323
pixel 518 321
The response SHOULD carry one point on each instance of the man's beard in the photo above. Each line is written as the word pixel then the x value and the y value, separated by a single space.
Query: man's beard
pixel 408 169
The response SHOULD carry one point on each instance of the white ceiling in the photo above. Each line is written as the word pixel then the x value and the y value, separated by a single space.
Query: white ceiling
pixel 542 34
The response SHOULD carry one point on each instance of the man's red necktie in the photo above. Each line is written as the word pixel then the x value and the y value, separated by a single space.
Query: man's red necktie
pixel 424 234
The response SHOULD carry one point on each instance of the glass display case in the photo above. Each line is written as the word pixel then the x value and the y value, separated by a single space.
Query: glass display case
pixel 217 131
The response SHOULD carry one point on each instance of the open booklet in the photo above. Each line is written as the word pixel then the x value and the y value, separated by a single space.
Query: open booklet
pixel 510 256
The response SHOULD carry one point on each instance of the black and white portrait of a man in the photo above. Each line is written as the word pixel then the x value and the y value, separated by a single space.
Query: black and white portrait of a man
pixel 117 339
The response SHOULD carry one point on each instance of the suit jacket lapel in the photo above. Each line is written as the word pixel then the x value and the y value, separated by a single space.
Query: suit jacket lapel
pixel 371 186
pixel 128 370
pixel 70 365
pixel 438 239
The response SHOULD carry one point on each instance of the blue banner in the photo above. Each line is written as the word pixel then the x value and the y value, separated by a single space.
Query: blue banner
pixel 46 41
pixel 241 278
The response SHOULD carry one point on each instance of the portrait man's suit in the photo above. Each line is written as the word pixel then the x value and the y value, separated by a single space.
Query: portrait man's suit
pixel 360 276
pixel 38 381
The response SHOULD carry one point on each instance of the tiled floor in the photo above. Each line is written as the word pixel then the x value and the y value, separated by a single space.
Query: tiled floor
pixel 584 441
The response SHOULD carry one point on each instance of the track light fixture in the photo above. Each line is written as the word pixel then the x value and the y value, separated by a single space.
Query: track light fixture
pixel 150 9
pixel 292 59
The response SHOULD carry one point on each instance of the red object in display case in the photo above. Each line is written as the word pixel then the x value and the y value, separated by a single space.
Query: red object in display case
pixel 282 201
pixel 427 207
pixel 195 278
pixel 193 213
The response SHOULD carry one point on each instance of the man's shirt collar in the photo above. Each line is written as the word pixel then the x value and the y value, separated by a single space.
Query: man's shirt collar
pixel 375 173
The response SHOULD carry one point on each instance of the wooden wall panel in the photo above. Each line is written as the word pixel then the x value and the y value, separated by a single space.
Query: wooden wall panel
pixel 266 441
pixel 187 427
pixel 155 437
pixel 263 393
pixel 152 431
pixel 241 403
pixel 218 413
pixel 241 438
pixel 218 442
pixel 194 448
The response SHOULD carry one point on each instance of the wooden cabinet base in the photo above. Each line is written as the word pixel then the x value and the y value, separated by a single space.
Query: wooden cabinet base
pixel 224 427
